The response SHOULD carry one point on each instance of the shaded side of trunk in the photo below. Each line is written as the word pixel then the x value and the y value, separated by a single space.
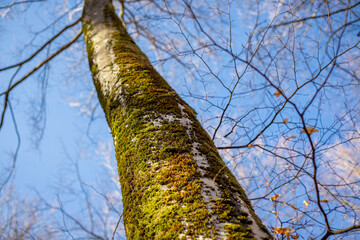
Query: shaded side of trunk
pixel 167 163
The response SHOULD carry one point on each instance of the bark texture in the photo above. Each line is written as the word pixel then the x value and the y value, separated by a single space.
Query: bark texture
pixel 167 163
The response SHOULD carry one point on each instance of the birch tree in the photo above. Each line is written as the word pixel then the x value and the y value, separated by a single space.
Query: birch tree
pixel 274 85
pixel 173 181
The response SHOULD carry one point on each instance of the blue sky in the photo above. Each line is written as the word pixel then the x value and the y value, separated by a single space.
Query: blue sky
pixel 38 166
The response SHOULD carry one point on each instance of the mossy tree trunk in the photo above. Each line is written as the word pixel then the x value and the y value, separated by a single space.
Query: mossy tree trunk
pixel 167 163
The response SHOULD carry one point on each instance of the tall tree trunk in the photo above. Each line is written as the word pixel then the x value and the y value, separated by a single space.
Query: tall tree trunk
pixel 173 181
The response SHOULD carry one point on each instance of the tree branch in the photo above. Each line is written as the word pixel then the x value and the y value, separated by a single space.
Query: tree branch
pixel 7 92
pixel 315 17
pixel 42 47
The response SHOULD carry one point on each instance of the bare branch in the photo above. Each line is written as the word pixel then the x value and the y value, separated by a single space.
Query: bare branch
pixel 42 47
pixel 10 88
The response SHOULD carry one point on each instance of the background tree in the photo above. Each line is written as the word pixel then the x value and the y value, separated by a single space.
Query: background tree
pixel 281 103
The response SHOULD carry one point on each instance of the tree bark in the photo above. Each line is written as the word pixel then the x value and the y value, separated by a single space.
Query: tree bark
pixel 173 181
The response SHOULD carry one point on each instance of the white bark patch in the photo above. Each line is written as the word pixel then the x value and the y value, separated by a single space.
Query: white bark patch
pixel 197 238
pixel 199 157
pixel 164 188
pixel 209 189
pixel 158 121
pixel 257 232
pixel 104 59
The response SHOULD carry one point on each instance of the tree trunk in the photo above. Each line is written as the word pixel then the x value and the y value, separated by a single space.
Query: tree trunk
pixel 173 181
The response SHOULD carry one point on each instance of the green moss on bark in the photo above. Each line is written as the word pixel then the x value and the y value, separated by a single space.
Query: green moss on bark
pixel 160 179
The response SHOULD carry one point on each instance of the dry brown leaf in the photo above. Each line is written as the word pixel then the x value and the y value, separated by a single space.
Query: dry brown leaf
pixel 292 206
pixel 250 145
pixel 286 120
pixel 267 183
pixel 310 130
pixel 278 93
pixel 287 166
pixel 283 230
pixel 273 198
pixel 288 138
pixel 294 236
pixel 306 203
pixel 325 200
